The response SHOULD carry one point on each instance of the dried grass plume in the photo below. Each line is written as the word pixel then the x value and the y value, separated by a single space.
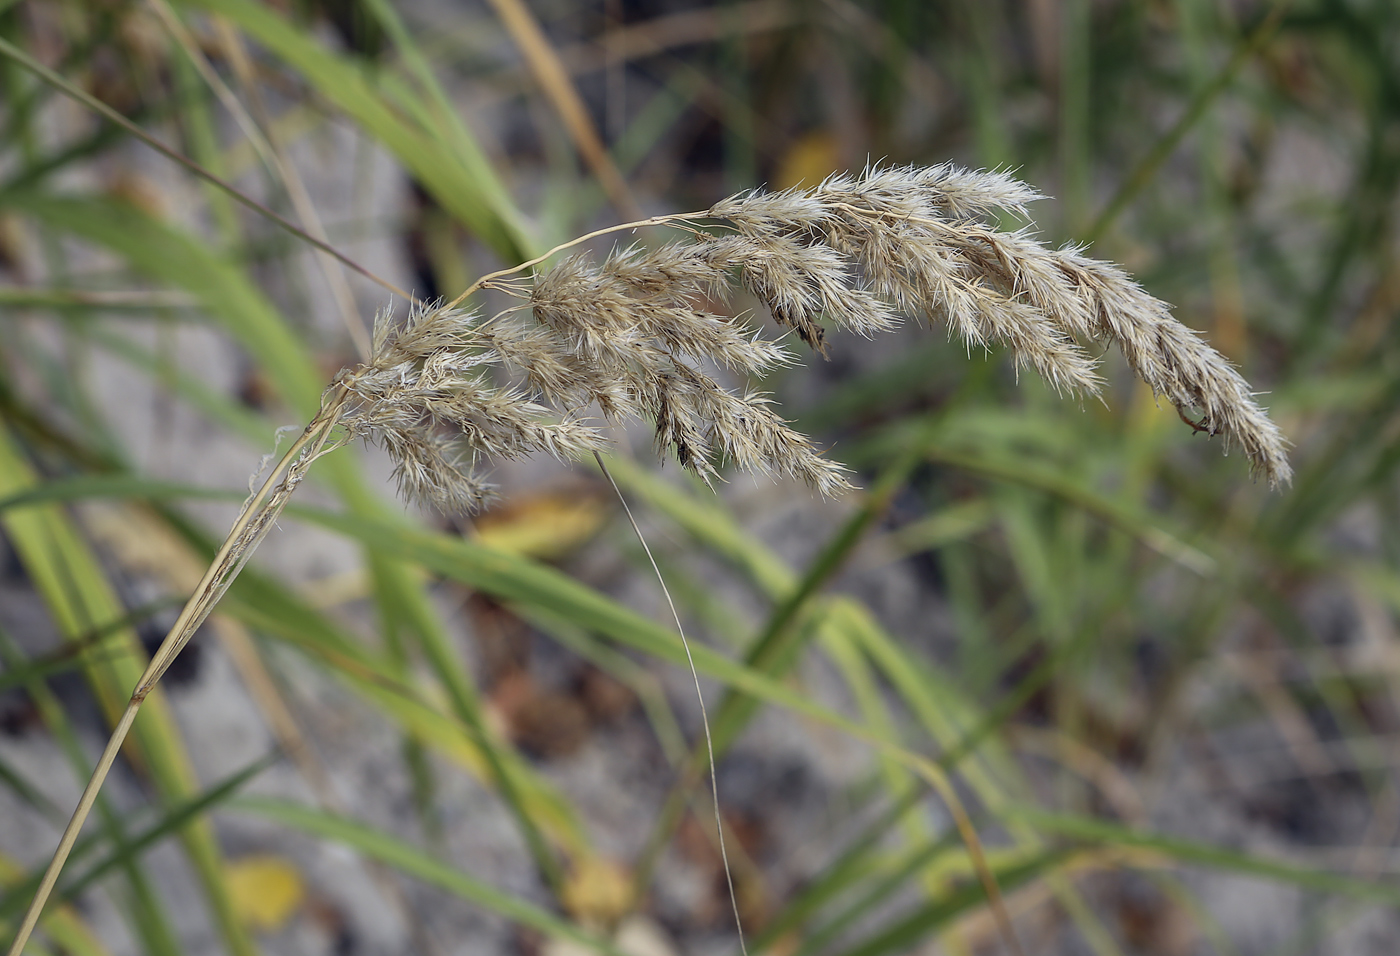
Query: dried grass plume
pixel 633 334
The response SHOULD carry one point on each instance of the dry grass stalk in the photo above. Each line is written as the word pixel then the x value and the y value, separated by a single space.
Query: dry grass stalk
pixel 630 335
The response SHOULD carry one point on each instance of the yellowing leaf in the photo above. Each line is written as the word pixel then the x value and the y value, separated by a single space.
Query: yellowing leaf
pixel 597 892
pixel 265 890
pixel 546 526
pixel 811 158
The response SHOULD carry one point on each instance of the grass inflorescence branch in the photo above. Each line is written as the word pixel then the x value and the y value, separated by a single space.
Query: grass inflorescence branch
pixel 633 335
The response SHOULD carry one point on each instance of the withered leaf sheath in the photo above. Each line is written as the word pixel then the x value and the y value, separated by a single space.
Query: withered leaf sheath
pixel 633 334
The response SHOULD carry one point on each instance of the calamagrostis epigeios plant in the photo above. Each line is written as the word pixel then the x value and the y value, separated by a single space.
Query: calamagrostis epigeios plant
pixel 633 336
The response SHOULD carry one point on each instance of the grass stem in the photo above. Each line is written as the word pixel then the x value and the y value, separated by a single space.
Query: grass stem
pixel 254 521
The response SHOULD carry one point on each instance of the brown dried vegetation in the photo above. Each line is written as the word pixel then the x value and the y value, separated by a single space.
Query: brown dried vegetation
pixel 631 336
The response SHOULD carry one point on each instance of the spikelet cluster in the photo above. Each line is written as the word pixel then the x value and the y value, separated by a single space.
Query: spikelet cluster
pixel 427 397
pixel 638 334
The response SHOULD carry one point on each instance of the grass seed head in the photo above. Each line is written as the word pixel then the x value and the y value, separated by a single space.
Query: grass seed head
pixel 633 334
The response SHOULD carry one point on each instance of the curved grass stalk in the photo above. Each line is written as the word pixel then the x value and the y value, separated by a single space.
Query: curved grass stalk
pixel 486 281
pixel 256 519
pixel 699 695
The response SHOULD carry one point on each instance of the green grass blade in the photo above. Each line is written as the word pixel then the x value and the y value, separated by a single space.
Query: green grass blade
pixel 879 890
pixel 908 931
pixel 62 924
pixel 218 407
pixel 70 579
pixel 845 873
pixel 1088 830
pixel 1205 97
pixel 455 171
pixel 415 862
pixel 224 290
pixel 28 794
pixel 171 821
pixel 182 261
pixel 513 578
pixel 137 899
pixel 706 520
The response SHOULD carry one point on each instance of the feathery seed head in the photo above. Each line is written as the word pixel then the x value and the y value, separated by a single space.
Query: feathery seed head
pixel 631 335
